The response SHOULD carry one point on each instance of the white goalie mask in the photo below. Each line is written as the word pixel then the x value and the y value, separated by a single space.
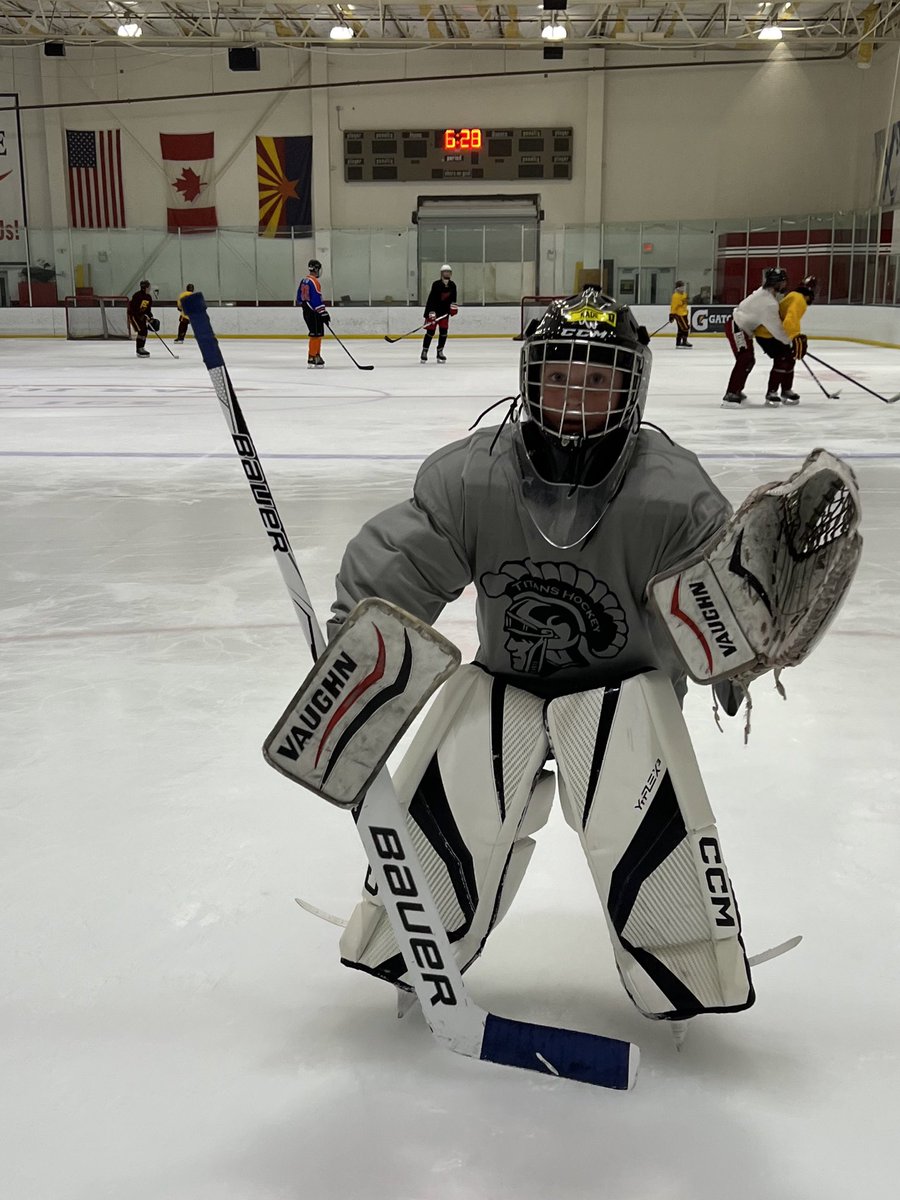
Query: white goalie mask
pixel 583 383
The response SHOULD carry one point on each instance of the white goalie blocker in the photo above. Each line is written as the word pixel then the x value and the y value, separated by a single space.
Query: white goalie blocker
pixel 354 705
pixel 761 593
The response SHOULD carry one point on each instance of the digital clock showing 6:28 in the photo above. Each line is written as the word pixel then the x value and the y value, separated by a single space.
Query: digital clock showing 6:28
pixel 462 139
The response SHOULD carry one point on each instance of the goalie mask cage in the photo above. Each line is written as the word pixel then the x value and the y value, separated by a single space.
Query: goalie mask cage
pixel 532 308
pixel 97 317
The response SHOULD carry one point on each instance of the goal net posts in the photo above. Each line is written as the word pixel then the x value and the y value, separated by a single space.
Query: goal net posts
pixel 97 317
pixel 531 309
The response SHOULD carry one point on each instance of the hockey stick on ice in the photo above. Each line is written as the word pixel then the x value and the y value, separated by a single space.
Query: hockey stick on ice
pixel 417 329
pixel 359 366
pixel 816 380
pixel 661 328
pixel 163 340
pixel 855 382
pixel 454 1019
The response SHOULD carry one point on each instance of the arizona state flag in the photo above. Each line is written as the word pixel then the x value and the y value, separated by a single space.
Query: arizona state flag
pixel 284 177
pixel 188 163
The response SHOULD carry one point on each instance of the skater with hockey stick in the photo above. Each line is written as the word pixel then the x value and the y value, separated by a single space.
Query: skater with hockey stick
pixel 183 323
pixel 679 311
pixel 141 318
pixel 574 663
pixel 315 314
pixel 453 1018
pixel 791 310
pixel 441 298
pixel 757 317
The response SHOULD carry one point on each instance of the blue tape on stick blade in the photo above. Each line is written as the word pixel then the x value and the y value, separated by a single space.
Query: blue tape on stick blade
pixel 586 1057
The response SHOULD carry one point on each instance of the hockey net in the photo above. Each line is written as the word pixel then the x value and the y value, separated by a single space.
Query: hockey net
pixel 532 308
pixel 97 317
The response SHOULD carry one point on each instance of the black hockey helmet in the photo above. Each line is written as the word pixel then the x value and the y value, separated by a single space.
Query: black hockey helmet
pixel 314 265
pixel 775 277
pixel 584 375
pixel 808 288
pixel 145 283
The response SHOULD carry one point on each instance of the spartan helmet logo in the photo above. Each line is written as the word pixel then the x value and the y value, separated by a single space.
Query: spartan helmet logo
pixel 541 635
pixel 559 616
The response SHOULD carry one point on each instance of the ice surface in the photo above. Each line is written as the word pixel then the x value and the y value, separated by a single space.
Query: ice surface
pixel 176 1028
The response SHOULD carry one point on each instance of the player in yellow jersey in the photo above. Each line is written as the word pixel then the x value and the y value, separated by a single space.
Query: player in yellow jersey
pixel 791 309
pixel 183 322
pixel 678 312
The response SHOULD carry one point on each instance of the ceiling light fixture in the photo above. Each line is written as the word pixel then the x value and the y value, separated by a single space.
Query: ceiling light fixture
pixel 132 30
pixel 341 33
pixel 770 33
pixel 554 33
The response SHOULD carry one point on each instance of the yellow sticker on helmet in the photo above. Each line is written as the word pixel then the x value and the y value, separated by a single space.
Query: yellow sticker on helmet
pixel 586 312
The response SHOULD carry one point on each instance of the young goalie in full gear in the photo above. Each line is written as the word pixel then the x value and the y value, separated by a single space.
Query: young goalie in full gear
pixel 562 518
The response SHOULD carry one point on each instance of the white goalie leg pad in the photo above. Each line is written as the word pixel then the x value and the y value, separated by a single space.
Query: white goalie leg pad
pixel 474 790
pixel 630 785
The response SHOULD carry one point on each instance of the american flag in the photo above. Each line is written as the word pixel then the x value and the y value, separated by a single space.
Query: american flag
pixel 96 197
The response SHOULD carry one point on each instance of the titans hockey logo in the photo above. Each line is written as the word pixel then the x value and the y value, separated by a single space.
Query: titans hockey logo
pixel 558 616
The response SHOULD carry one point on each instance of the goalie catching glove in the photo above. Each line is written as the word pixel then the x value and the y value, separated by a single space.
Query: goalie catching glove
pixel 764 589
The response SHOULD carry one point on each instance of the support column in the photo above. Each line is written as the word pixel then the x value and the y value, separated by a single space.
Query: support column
pixel 321 159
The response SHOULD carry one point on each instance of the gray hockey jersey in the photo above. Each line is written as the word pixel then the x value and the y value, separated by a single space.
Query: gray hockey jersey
pixel 550 620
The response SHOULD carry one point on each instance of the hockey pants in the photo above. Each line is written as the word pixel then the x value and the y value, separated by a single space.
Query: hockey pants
pixel 741 344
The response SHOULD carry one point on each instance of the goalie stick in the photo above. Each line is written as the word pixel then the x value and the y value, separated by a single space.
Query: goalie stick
pixel 454 1019
pixel 393 340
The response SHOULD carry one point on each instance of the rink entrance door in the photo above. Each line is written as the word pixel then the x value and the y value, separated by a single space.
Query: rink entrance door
pixel 491 242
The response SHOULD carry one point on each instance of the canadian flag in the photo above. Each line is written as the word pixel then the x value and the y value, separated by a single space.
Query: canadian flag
pixel 188 163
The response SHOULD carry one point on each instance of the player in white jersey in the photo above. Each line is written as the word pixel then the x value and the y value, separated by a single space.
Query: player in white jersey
pixel 756 316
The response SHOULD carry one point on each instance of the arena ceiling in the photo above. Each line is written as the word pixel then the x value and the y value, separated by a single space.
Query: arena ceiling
pixel 808 27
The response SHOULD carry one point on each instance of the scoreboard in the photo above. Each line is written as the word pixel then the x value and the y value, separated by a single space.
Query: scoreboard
pixel 417 155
